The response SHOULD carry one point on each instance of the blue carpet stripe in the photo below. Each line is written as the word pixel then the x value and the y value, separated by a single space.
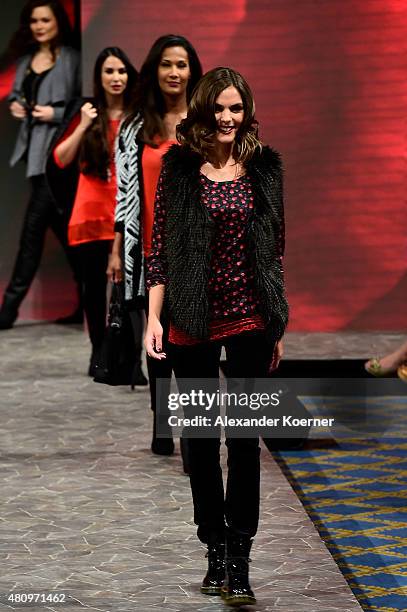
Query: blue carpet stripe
pixel 356 495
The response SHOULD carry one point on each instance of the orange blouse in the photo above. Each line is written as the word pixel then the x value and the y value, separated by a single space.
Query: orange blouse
pixel 92 215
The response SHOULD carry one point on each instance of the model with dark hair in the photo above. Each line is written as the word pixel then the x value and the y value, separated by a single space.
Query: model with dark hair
pixel 47 78
pixel 167 78
pixel 218 243
pixel 22 41
pixel 89 139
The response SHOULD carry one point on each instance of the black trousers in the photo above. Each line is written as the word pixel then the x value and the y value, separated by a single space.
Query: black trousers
pixel 94 257
pixel 40 215
pixel 160 372
pixel 247 355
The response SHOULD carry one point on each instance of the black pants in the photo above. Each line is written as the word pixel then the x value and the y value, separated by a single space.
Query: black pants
pixel 94 257
pixel 159 372
pixel 137 326
pixel 40 215
pixel 247 356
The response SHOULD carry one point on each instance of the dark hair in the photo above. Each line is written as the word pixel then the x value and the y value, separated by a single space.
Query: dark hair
pixel 199 128
pixel 95 150
pixel 149 99
pixel 22 41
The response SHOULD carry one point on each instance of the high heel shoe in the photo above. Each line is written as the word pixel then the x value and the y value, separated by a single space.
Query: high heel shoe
pixel 161 446
pixel 402 372
pixel 7 317
pixel 183 443
pixel 375 368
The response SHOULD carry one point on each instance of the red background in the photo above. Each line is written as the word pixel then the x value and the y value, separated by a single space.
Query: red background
pixel 330 84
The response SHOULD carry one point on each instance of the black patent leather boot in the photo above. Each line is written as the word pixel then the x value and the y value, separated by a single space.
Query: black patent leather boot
pixel 237 591
pixel 213 582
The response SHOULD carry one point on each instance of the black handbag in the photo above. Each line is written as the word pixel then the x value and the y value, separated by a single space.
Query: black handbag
pixel 119 355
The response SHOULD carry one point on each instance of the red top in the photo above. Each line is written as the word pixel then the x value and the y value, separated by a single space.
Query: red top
pixel 92 215
pixel 151 162
pixel 233 300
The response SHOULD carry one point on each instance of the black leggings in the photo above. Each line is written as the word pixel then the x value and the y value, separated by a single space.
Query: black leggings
pixel 94 257
pixel 40 215
pixel 247 355
pixel 160 371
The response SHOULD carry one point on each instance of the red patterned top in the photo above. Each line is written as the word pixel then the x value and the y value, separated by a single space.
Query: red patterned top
pixel 232 298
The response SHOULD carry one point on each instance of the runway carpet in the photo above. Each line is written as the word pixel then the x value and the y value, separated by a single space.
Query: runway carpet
pixel 355 492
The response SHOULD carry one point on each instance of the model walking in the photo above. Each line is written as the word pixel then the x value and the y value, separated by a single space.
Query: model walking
pixel 167 79
pixel 47 78
pixel 218 243
pixel 89 141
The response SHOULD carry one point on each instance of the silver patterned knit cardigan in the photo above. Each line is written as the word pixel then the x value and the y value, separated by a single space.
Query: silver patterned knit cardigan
pixel 128 206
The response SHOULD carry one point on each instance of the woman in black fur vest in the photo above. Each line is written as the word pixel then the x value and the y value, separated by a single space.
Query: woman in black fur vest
pixel 218 243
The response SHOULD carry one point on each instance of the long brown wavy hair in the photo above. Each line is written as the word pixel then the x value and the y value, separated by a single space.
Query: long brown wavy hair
pixel 95 151
pixel 198 129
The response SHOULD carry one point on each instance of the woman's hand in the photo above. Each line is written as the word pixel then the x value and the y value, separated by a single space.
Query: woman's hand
pixel 88 115
pixel 153 340
pixel 277 356
pixel 17 110
pixel 68 149
pixel 114 268
pixel 45 114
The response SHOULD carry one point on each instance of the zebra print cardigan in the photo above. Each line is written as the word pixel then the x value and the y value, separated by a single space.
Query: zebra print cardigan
pixel 128 208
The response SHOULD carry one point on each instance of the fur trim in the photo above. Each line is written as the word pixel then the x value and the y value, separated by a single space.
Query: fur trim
pixel 188 236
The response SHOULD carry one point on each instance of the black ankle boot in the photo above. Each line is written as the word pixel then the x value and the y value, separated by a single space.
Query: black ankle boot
pixel 7 317
pixel 237 591
pixel 213 582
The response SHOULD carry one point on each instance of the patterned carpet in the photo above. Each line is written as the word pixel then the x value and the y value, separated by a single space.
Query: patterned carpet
pixel 355 492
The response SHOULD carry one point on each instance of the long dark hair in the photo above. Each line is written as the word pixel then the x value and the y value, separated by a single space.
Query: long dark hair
pixel 199 128
pixel 22 41
pixel 95 150
pixel 149 100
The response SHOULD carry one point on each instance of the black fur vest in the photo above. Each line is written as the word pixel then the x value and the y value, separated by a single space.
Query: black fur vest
pixel 188 236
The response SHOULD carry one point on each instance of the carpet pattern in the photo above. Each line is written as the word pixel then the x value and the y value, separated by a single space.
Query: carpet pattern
pixel 355 492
